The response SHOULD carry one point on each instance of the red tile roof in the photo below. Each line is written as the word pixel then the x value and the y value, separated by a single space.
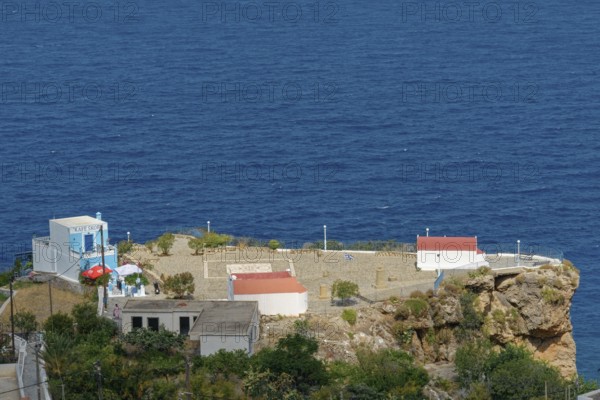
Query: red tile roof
pixel 433 243
pixel 265 286
pixel 261 275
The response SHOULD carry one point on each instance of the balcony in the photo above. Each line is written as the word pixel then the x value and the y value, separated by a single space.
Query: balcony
pixel 41 241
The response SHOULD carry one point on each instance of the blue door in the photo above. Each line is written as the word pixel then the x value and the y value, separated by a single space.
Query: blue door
pixel 89 243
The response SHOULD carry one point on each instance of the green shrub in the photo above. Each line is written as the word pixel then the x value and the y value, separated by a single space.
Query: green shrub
pixel 417 294
pixel 124 247
pixel 131 279
pixel 403 333
pixel 417 306
pixel 165 242
pixel 349 315
pixel 552 296
pixel 274 244
pixel 498 316
pixel 481 271
pixel 402 312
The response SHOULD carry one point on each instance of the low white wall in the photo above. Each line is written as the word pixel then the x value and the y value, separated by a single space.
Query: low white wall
pixel 431 260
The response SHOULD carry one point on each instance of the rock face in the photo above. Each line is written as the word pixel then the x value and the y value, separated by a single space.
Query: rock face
pixel 530 308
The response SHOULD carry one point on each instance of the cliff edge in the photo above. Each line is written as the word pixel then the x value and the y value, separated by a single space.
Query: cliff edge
pixel 526 307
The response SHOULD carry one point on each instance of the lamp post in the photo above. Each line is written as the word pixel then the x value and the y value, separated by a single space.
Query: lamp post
pixel 427 231
pixel 519 251
pixel 104 291
pixel 324 237
pixel 208 224
pixel 12 317
pixel 128 237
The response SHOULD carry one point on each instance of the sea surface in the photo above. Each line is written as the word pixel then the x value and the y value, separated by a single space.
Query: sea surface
pixel 272 119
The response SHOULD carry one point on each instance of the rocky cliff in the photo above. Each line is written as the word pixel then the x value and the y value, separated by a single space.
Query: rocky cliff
pixel 529 308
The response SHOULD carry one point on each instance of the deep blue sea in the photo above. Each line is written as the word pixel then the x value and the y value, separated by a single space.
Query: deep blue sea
pixel 271 119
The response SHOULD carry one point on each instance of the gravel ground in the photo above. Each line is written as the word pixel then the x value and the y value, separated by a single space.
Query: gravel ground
pixel 312 268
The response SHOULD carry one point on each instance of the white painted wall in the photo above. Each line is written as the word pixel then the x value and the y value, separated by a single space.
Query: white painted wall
pixel 431 260
pixel 292 304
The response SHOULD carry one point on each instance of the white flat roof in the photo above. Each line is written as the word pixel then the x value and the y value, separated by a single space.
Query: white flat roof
pixel 78 221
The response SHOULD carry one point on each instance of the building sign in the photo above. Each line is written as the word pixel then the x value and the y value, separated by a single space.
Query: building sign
pixel 86 228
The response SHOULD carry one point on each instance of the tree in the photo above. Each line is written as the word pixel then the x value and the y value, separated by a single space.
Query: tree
pixel 148 339
pixel 165 242
pixel 196 244
pixel 294 355
pixel 25 321
pixel 274 244
pixel 58 353
pixel 179 285
pixel 390 372
pixel 214 239
pixel 472 362
pixel 344 290
pixel 59 323
pixel 224 363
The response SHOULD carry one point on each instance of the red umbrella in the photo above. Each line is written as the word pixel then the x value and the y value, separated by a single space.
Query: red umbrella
pixel 96 271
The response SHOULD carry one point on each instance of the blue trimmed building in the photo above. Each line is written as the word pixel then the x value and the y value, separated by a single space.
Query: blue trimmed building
pixel 73 246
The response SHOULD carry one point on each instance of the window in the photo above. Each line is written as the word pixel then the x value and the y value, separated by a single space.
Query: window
pixel 153 323
pixel 136 322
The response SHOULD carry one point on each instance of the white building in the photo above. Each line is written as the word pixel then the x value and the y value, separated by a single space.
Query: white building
pixel 210 325
pixel 73 246
pixel 277 293
pixel 439 253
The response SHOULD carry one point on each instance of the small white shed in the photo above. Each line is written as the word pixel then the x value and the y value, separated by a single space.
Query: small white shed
pixel 439 253
pixel 277 293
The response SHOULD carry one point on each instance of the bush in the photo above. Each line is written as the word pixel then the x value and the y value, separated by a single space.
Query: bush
pixel 402 312
pixel 349 315
pixel 417 307
pixel 196 244
pixel 481 271
pixel 148 339
pixel 498 316
pixel 390 372
pixel 131 279
pixel 417 294
pixel 344 289
pixel 179 285
pixel 274 244
pixel 25 322
pixel 124 247
pixel 552 296
pixel 150 245
pixel 59 323
pixel 165 242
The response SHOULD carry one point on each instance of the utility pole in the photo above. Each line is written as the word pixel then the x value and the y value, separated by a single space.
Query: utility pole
pixel 105 294
pixel 37 370
pixel 12 318
pixel 99 376
pixel 50 294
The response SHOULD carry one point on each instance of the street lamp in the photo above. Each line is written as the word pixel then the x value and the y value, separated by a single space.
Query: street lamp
pixel 128 237
pixel 519 251
pixel 427 231
pixel 324 237
pixel 208 224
